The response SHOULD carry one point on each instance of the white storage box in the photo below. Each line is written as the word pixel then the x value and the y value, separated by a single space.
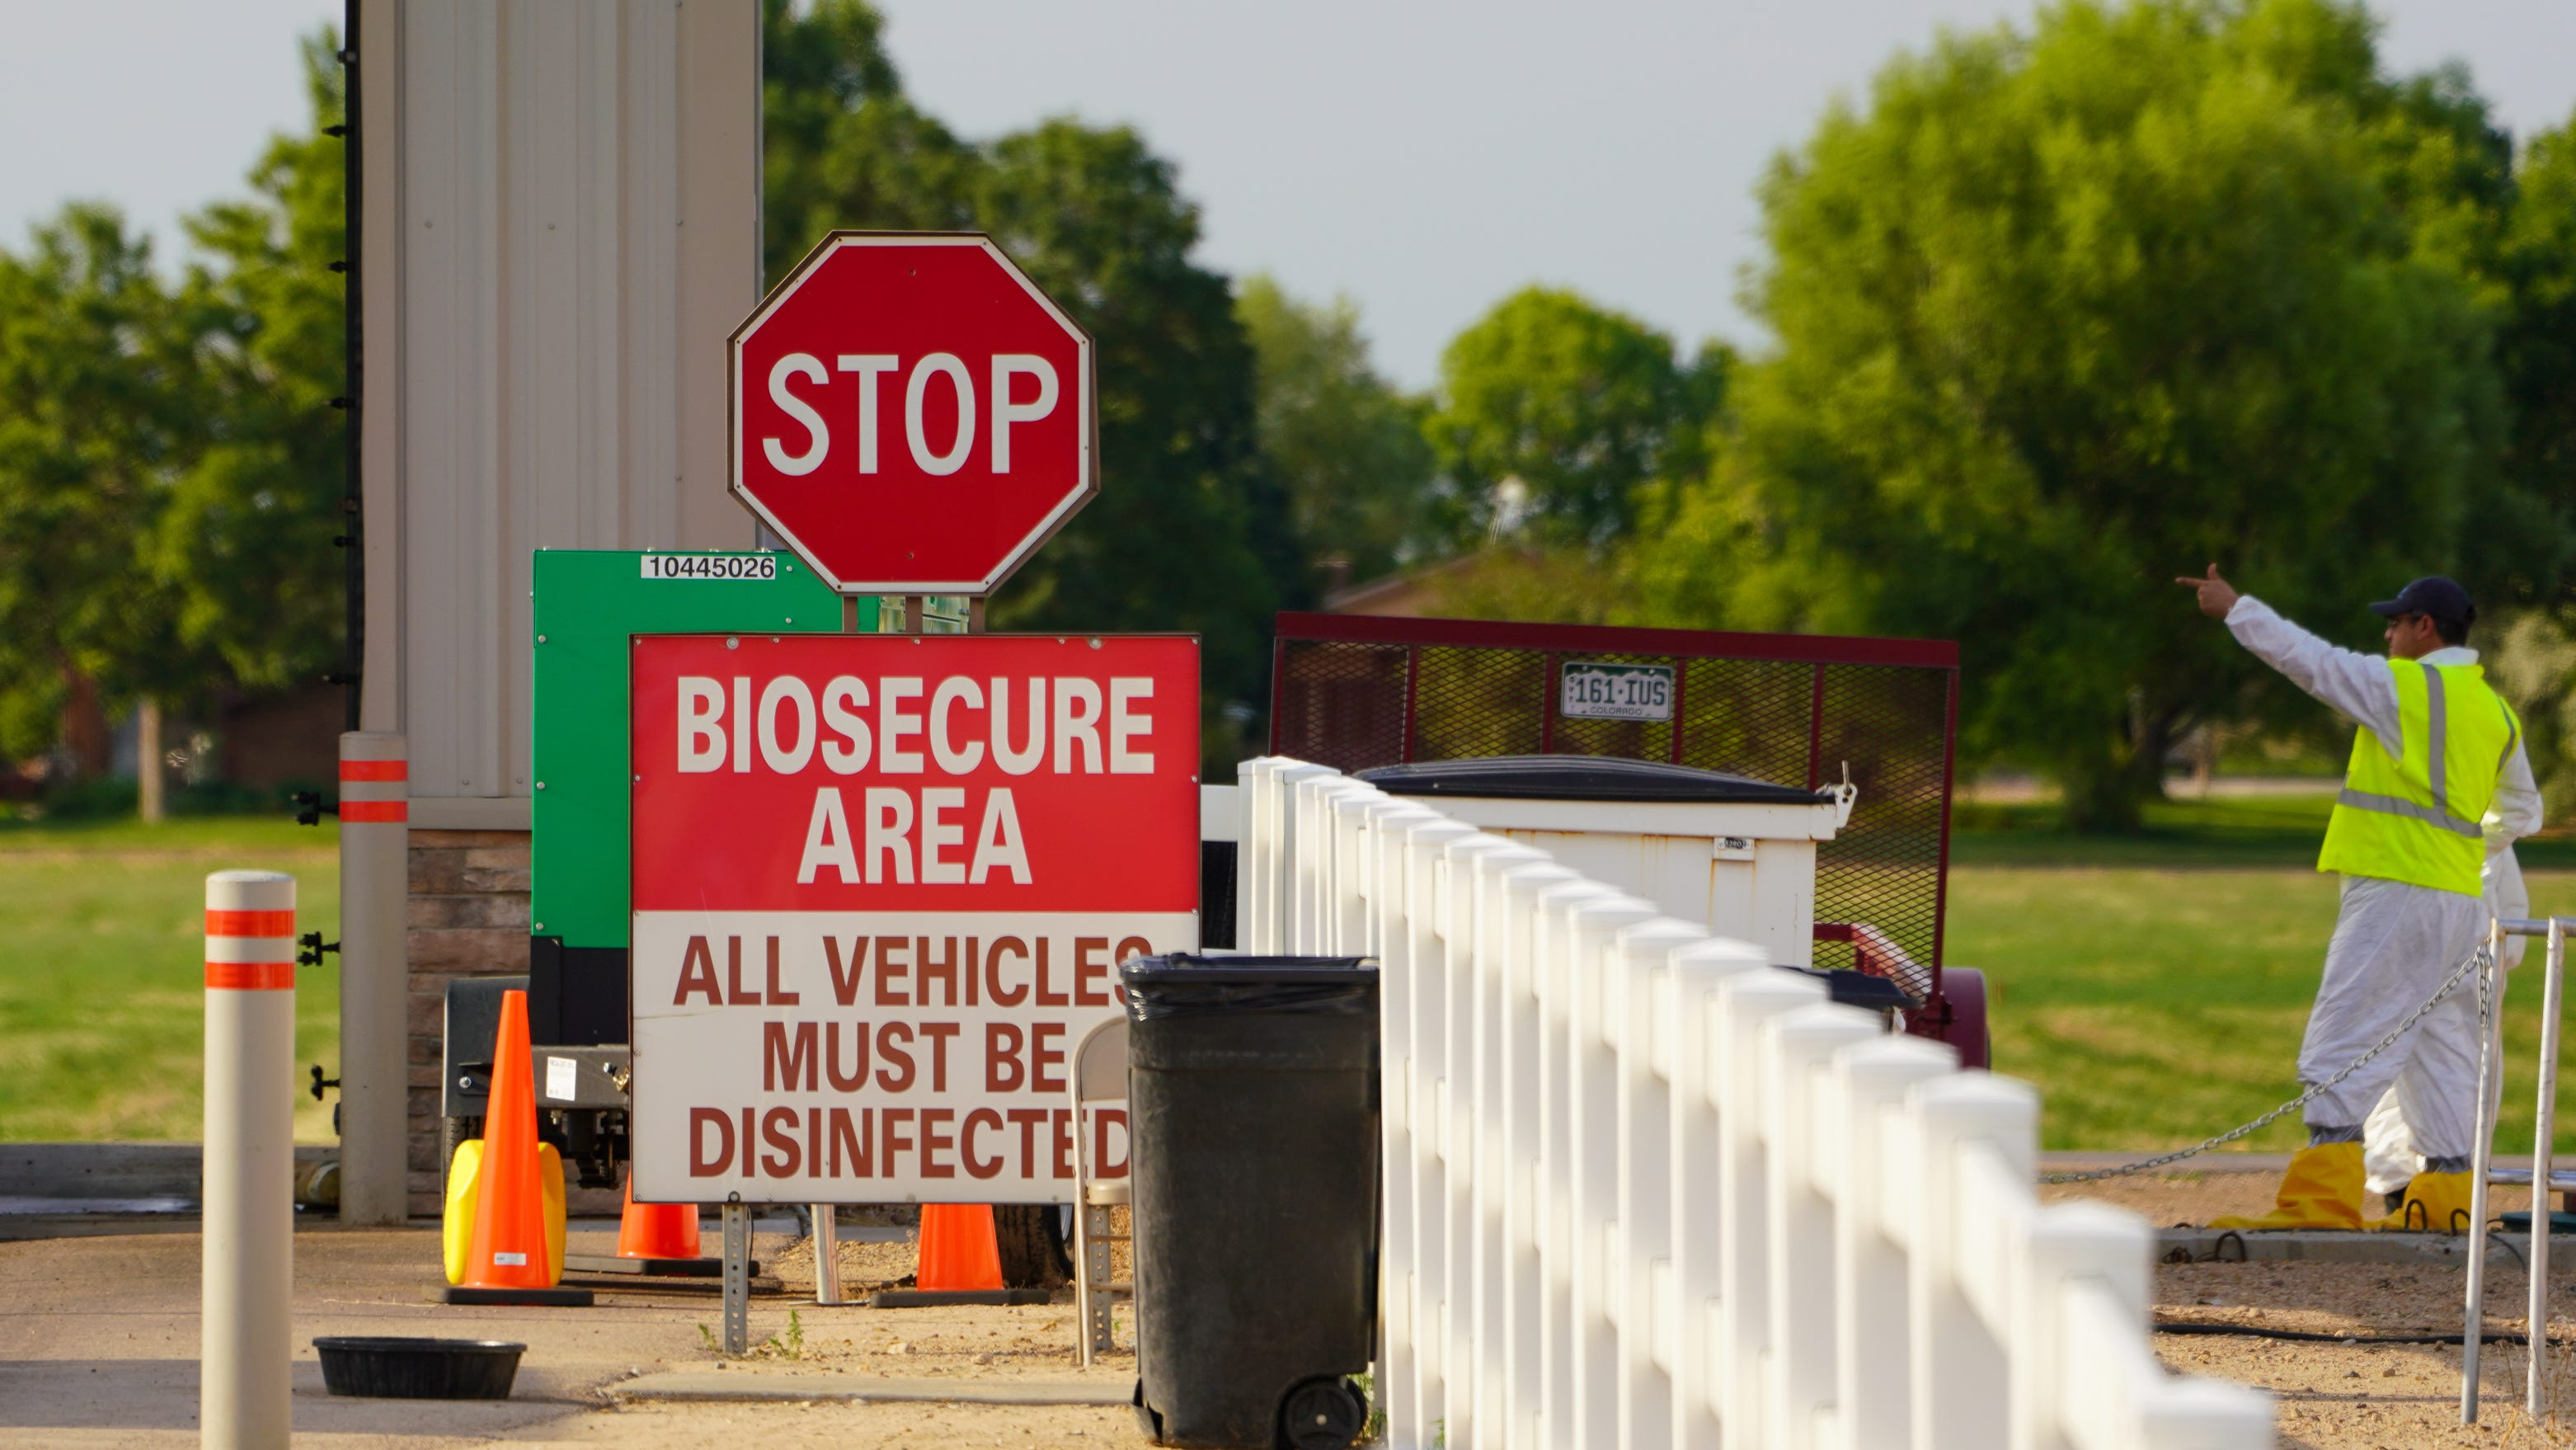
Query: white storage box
pixel 1735 854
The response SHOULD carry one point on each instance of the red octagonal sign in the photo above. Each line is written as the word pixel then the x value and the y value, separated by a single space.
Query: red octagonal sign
pixel 911 414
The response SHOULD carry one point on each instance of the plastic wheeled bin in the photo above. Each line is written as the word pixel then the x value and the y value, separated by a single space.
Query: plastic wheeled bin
pixel 1253 1114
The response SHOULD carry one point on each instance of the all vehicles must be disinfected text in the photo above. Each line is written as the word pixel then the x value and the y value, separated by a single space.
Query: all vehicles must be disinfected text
pixel 882 884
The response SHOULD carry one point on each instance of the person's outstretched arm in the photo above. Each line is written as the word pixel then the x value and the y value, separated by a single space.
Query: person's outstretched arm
pixel 2357 684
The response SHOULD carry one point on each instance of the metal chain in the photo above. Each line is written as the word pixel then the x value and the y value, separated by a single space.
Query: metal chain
pixel 2474 961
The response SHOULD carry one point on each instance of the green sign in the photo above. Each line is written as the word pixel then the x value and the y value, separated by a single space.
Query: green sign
pixel 588 605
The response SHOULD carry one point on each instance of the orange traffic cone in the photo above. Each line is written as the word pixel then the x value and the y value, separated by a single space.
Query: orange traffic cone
pixel 657 1230
pixel 958 1251
pixel 507 1258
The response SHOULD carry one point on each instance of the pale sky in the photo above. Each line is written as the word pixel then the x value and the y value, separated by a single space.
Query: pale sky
pixel 1423 158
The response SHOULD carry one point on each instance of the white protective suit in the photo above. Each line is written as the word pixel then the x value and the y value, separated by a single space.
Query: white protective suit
pixel 2394 942
pixel 2388 1147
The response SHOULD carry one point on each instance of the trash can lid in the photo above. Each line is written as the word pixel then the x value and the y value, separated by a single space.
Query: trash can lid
pixel 1583 778
pixel 1184 984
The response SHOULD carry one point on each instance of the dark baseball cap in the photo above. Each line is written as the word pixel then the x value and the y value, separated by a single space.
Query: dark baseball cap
pixel 2437 596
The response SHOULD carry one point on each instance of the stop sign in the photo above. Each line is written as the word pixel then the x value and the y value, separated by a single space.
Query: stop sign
pixel 911 414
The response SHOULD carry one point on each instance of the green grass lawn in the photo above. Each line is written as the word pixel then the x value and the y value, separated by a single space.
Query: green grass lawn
pixel 2153 986
pixel 102 985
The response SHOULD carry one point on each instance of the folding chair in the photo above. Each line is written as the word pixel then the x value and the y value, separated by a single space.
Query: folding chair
pixel 1099 1076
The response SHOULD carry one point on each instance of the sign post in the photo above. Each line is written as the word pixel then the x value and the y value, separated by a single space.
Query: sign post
pixel 882 883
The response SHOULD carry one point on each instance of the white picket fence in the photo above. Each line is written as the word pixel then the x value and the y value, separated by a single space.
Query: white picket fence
pixel 1644 1189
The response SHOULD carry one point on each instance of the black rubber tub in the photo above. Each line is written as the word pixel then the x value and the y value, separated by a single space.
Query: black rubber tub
pixel 388 1368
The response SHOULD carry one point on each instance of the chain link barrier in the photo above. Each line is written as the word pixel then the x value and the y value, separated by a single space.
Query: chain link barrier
pixel 2476 961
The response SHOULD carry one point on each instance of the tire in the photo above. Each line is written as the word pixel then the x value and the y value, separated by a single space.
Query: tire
pixel 1322 1414
pixel 1031 1240
pixel 452 1131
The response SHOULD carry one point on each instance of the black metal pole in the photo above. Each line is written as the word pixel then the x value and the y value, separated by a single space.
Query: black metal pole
pixel 352 499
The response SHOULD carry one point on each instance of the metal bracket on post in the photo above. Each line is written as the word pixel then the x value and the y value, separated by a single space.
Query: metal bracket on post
pixel 827 1256
pixel 737 1277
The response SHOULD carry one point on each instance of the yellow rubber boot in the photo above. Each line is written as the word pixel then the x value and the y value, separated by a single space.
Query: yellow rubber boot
pixel 2434 1203
pixel 2321 1189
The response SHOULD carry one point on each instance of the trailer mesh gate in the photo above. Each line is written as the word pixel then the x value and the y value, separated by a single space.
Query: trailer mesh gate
pixel 1355 691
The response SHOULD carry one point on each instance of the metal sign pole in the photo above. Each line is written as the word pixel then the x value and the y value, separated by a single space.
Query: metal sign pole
pixel 737 1277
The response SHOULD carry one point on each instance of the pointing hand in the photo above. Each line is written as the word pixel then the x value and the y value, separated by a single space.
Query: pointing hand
pixel 2217 596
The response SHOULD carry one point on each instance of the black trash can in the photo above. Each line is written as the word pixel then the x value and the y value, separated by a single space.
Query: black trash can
pixel 1253 1105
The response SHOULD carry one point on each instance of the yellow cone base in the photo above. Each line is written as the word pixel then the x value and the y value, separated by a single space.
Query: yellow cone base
pixel 2322 1188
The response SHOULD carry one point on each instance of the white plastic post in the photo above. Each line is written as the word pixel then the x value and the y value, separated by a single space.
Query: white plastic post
pixel 1695 1146
pixel 1796 1049
pixel 1744 1004
pixel 1597 1277
pixel 375 837
pixel 2544 1131
pixel 1552 957
pixel 1866 1094
pixel 2481 1164
pixel 1460 1138
pixel 1643 1206
pixel 2110 1250
pixel 1961 1377
pixel 1520 935
pixel 1497 978
pixel 249 1223
pixel 1416 1264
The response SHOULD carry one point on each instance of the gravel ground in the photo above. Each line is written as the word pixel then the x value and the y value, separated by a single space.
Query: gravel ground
pixel 2343 1396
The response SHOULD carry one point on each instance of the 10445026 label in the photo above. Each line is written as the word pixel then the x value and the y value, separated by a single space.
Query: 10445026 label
pixel 710 566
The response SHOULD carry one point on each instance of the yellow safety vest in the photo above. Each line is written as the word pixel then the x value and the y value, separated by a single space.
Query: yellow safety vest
pixel 2414 816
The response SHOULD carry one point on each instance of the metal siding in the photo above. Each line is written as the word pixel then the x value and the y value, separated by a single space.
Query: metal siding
pixel 451 467
pixel 648 168
pixel 543 278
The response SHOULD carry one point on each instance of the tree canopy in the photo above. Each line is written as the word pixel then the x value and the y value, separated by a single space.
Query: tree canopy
pixel 1578 405
pixel 1190 530
pixel 1347 446
pixel 2063 314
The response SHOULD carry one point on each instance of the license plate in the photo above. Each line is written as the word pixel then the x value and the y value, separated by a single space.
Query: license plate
pixel 1597 690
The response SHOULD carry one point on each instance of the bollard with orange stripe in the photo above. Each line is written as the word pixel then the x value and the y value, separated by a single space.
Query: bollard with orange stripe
pixel 249 1165
pixel 375 841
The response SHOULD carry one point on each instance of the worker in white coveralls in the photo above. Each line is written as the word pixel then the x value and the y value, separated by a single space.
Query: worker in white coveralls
pixel 2436 793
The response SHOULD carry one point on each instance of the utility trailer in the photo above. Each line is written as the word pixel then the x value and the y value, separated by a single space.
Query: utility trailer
pixel 1359 692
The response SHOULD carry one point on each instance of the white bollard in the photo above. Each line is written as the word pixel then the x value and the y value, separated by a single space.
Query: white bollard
pixel 375 837
pixel 249 1222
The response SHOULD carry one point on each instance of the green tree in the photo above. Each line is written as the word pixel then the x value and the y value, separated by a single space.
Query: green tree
pixel 1345 444
pixel 1190 532
pixel 243 542
pixel 94 424
pixel 1580 405
pixel 2537 348
pixel 2064 314
pixel 842 146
